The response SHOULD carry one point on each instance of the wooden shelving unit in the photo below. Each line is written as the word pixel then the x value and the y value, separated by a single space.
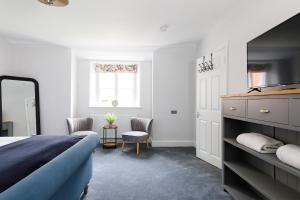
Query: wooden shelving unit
pixel 248 174
pixel 239 192
pixel 265 184
pixel 270 158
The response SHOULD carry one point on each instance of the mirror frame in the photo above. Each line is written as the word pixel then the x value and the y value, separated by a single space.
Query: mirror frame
pixel 37 99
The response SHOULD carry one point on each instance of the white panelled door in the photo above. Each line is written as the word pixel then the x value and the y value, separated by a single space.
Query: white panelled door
pixel 210 86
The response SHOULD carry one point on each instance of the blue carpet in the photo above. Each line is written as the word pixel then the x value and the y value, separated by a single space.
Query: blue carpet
pixel 157 174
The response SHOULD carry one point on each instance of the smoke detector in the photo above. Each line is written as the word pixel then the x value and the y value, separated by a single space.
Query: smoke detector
pixel 164 28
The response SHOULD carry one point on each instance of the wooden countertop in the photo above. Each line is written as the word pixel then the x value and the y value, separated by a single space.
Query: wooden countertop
pixel 265 93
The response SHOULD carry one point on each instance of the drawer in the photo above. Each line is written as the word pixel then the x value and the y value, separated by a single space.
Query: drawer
pixel 234 107
pixel 295 112
pixel 270 110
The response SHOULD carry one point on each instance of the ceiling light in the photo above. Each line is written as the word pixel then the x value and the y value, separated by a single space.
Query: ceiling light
pixel 58 3
pixel 164 28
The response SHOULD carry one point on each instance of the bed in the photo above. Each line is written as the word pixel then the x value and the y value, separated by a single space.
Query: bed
pixel 65 177
pixel 8 140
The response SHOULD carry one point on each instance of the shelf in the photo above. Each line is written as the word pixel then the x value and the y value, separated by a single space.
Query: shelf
pixel 238 192
pixel 269 158
pixel 264 184
pixel 109 145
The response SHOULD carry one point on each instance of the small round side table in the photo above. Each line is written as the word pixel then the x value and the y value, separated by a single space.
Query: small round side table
pixel 107 143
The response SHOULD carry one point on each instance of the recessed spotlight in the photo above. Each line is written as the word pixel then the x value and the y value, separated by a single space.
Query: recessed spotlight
pixel 164 28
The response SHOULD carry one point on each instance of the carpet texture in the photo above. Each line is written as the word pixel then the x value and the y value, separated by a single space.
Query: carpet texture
pixel 157 174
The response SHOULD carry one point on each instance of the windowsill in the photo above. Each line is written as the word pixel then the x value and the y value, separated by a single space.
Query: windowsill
pixel 111 107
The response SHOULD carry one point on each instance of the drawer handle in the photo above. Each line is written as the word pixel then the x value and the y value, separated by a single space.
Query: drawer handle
pixel 262 110
pixel 232 108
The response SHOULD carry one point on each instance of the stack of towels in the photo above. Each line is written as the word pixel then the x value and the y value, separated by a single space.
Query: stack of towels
pixel 259 142
pixel 289 154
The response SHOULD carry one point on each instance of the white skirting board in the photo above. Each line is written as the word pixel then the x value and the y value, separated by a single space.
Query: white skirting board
pixel 173 143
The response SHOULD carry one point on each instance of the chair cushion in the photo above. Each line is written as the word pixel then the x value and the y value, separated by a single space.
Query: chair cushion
pixel 135 133
pixel 85 133
pixel 134 136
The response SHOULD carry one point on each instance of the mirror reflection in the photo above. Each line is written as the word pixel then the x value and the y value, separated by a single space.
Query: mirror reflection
pixel 18 108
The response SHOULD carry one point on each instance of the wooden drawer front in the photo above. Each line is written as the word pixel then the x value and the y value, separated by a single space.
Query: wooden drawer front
pixel 234 107
pixel 295 112
pixel 271 110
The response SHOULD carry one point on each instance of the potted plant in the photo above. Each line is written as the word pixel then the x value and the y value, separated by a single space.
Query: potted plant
pixel 110 118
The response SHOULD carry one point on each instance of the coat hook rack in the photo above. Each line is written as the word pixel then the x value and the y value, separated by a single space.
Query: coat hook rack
pixel 206 65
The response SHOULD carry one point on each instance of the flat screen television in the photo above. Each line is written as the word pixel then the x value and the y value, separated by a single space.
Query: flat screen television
pixel 273 58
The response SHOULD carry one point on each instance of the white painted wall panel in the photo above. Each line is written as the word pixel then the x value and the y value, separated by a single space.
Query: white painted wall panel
pixel 249 20
pixel 50 65
pixel 174 89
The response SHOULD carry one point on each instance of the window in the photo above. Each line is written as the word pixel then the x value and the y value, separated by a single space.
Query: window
pixel 114 85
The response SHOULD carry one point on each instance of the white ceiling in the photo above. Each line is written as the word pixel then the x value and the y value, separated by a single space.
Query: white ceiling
pixel 126 23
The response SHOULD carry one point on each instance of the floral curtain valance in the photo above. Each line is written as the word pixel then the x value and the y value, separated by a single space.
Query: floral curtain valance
pixel 112 68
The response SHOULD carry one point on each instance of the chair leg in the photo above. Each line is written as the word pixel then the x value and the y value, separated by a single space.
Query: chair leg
pixel 147 141
pixel 137 148
pixel 123 146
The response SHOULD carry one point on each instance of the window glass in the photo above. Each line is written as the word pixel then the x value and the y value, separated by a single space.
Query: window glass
pixel 112 82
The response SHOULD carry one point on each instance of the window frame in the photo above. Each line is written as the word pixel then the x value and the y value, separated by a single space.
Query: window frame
pixel 94 86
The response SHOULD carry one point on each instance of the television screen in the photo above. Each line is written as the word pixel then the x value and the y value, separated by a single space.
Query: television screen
pixel 274 57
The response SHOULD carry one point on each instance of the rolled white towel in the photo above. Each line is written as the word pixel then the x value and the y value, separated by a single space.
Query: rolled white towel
pixel 259 142
pixel 289 154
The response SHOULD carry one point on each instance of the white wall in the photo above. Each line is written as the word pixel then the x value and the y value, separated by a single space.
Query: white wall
pixel 250 19
pixel 4 56
pixel 50 65
pixel 73 100
pixel 123 114
pixel 174 89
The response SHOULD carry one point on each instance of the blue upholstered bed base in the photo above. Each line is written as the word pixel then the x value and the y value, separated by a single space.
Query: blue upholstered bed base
pixel 63 178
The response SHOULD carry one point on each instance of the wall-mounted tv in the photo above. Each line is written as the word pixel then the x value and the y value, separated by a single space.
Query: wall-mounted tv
pixel 274 57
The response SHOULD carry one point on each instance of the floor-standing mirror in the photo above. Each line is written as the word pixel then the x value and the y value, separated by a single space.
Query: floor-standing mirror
pixel 19 107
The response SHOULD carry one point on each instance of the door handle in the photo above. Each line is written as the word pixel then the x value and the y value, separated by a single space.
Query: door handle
pixel 232 108
pixel 263 110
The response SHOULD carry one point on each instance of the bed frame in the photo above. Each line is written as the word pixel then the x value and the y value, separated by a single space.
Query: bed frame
pixel 65 177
